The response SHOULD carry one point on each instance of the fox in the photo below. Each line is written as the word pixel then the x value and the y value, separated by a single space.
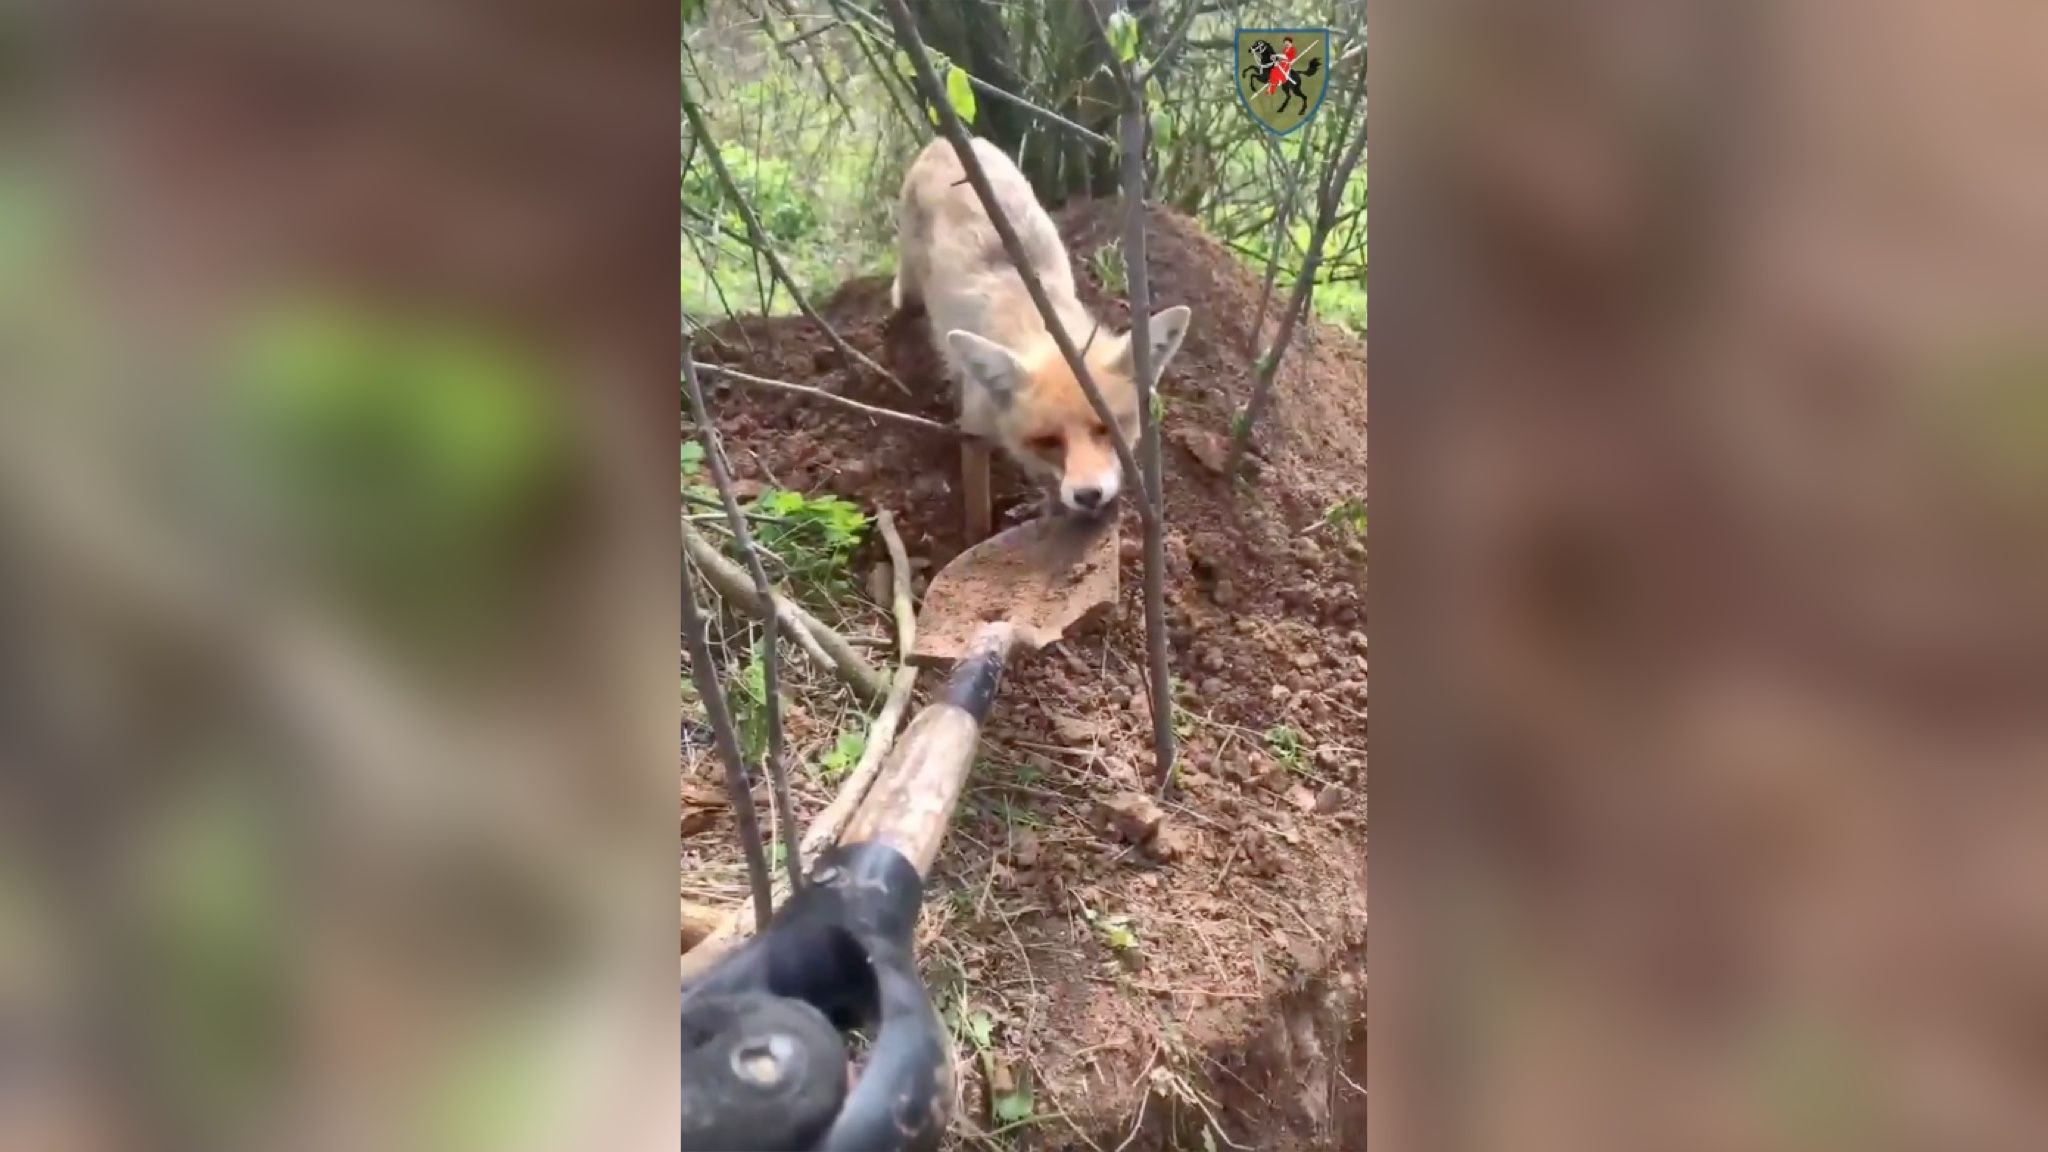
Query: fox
pixel 1013 388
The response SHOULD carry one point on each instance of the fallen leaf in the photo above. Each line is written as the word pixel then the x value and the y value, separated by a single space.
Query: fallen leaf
pixel 1133 816
pixel 703 795
pixel 1302 798
pixel 1330 799
pixel 1073 731
pixel 1024 849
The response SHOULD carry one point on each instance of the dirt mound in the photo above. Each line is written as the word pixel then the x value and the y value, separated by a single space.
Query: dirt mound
pixel 1121 970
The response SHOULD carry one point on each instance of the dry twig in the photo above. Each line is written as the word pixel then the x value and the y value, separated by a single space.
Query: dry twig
pixel 833 398
pixel 817 639
pixel 720 719
pixel 771 649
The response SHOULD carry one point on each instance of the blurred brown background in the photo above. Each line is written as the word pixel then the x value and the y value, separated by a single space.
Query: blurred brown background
pixel 1712 613
pixel 338 566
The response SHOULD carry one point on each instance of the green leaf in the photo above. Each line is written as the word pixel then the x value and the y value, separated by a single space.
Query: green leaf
pixel 981 1029
pixel 845 753
pixel 692 457
pixel 1015 1107
pixel 960 94
pixel 1123 35
pixel 904 67
pixel 1117 933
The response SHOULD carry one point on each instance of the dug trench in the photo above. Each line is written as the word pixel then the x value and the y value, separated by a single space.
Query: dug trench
pixel 1120 970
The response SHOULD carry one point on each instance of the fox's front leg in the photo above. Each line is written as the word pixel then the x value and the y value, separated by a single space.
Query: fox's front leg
pixel 975 496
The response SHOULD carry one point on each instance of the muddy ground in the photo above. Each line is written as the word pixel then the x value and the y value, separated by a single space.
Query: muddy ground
pixel 1131 969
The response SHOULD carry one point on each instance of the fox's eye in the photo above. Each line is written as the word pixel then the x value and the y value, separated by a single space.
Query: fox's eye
pixel 1044 445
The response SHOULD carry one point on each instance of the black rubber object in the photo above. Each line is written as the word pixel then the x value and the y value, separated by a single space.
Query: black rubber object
pixel 760 1073
pixel 840 951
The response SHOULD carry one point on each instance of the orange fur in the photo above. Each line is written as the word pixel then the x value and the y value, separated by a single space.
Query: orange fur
pixel 1014 387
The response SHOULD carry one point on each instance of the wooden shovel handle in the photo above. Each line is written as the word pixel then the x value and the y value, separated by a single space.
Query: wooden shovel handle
pixel 912 799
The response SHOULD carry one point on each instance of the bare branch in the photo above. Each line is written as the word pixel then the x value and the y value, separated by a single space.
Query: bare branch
pixel 827 647
pixel 1138 283
pixel 1026 106
pixel 771 651
pixel 1281 219
pixel 1005 96
pixel 1116 70
pixel 833 398
pixel 893 84
pixel 1176 39
pixel 949 126
pixel 1329 199
pixel 720 719
pixel 761 245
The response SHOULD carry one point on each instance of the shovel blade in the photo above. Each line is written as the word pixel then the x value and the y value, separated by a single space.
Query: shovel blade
pixel 1042 577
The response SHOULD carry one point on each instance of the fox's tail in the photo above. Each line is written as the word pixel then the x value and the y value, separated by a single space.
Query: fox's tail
pixel 1313 66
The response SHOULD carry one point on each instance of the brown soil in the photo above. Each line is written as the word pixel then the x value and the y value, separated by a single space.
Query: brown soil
pixel 1141 964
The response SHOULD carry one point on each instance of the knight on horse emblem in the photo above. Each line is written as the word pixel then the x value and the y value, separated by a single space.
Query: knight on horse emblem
pixel 1282 74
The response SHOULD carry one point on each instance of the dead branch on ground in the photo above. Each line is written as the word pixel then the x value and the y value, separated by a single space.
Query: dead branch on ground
pixel 824 831
pixel 817 639
pixel 771 648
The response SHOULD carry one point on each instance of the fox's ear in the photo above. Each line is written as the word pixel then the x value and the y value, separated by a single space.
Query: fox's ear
pixel 990 364
pixel 1165 331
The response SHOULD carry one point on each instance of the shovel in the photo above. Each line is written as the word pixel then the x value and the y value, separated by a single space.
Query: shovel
pixel 765 1063
pixel 1019 589
pixel 764 1060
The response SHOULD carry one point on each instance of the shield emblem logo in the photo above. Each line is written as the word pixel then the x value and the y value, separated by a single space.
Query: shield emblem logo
pixel 1282 74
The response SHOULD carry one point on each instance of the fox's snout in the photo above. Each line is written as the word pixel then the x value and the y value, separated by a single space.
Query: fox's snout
pixel 1078 461
pixel 1090 476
